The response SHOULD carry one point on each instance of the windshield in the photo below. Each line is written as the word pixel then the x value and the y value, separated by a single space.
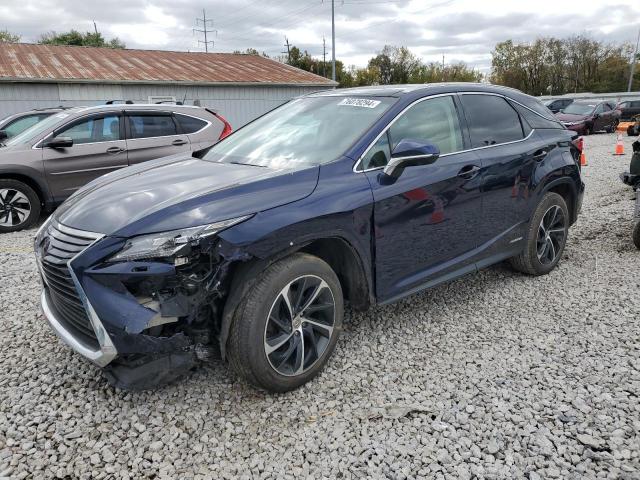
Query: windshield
pixel 305 131
pixel 579 108
pixel 40 127
pixel 548 102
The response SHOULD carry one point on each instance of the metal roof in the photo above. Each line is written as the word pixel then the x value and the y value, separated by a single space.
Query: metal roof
pixel 22 62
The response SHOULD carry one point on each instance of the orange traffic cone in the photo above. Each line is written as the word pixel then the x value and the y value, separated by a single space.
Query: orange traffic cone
pixel 619 146
pixel 583 160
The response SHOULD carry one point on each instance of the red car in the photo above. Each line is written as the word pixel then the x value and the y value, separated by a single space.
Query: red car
pixel 588 116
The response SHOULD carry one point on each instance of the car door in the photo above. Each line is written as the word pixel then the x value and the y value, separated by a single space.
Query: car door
pixel 509 151
pixel 599 119
pixel 153 134
pixel 98 148
pixel 424 220
pixel 608 116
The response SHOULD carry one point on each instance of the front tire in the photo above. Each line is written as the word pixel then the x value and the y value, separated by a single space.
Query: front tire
pixel 286 328
pixel 546 237
pixel 19 206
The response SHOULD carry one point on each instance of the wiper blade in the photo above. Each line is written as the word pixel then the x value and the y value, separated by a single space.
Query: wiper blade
pixel 249 164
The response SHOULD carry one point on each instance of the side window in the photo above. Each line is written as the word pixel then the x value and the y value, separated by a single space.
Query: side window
pixel 599 108
pixel 434 120
pixel 92 130
pixel 21 125
pixel 491 120
pixel 626 104
pixel 534 120
pixel 378 155
pixel 606 107
pixel 190 124
pixel 634 104
pixel 146 126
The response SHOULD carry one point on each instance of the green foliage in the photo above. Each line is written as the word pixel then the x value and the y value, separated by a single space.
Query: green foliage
pixel 393 65
pixel 75 37
pixel 552 66
pixel 251 51
pixel 8 37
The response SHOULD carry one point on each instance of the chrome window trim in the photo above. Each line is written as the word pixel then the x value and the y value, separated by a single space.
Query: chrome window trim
pixel 38 146
pixel 451 94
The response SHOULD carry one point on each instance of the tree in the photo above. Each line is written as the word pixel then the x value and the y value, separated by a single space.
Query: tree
pixel 395 64
pixel 251 51
pixel 8 37
pixel 555 66
pixel 74 37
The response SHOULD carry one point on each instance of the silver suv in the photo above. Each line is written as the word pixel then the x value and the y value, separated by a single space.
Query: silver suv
pixel 45 164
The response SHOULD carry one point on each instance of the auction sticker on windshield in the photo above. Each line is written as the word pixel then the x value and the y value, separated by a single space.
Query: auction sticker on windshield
pixel 360 102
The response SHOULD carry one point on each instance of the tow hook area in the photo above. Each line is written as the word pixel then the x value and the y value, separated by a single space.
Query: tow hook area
pixel 142 372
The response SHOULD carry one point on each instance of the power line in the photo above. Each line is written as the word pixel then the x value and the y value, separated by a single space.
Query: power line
pixel 205 23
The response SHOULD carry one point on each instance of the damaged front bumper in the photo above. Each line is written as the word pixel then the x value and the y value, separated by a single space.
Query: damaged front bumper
pixel 144 322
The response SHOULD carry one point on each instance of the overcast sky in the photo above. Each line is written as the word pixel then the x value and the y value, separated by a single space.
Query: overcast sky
pixel 460 29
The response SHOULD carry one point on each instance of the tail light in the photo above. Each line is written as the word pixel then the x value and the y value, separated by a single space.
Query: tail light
pixel 226 131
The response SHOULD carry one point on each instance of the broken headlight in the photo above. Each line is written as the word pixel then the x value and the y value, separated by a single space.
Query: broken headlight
pixel 169 244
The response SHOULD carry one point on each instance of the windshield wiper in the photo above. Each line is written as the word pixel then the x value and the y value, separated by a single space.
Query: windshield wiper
pixel 249 164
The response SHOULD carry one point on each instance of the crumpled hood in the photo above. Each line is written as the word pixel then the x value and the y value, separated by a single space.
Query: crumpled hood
pixel 179 192
pixel 570 117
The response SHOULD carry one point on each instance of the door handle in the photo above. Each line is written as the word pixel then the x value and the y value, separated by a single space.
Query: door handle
pixel 179 142
pixel 539 155
pixel 114 150
pixel 469 171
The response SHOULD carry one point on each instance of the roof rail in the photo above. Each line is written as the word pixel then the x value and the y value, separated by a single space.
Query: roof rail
pixel 114 102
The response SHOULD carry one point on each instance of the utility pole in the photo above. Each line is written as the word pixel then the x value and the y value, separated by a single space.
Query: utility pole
pixel 633 63
pixel 333 40
pixel 443 67
pixel 95 27
pixel 324 57
pixel 288 52
pixel 205 23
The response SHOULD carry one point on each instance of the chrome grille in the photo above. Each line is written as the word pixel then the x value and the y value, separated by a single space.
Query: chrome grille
pixel 57 247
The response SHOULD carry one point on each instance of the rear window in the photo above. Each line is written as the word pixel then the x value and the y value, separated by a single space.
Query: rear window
pixel 491 120
pixel 190 124
pixel 147 126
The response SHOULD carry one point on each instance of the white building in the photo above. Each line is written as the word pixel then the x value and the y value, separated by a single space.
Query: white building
pixel 239 86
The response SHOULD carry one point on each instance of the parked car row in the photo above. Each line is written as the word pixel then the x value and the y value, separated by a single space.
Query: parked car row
pixel 46 163
pixel 17 123
pixel 253 248
pixel 587 117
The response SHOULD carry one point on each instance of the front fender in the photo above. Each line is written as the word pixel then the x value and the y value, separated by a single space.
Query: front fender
pixel 28 173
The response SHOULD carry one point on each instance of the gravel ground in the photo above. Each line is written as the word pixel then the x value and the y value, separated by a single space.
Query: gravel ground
pixel 496 375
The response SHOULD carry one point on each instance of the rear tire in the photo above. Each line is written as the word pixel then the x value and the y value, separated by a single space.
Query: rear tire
pixel 546 237
pixel 19 206
pixel 286 328
pixel 612 128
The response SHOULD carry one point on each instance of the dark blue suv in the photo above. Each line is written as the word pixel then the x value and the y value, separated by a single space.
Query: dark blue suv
pixel 250 250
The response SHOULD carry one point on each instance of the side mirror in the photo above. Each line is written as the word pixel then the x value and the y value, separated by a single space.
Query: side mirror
pixel 58 142
pixel 410 153
pixel 3 135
